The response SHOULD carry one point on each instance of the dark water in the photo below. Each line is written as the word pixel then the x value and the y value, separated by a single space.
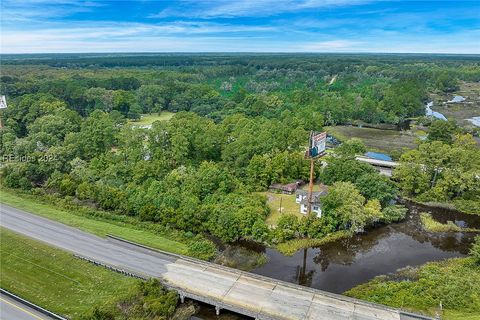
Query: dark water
pixel 444 215
pixel 341 265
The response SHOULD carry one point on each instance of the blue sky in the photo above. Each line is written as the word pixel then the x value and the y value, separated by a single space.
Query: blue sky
pixel 35 26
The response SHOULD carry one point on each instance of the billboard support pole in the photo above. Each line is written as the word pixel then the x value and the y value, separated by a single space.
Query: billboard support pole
pixel 310 188
pixel 316 149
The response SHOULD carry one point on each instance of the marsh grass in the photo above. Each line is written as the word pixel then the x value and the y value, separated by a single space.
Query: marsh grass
pixel 431 225
pixel 289 248
pixel 453 282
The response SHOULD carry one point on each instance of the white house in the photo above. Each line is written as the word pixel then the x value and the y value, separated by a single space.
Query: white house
pixel 3 102
pixel 301 197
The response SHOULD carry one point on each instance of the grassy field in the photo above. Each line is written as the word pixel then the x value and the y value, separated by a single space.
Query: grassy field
pixel 90 224
pixel 55 279
pixel 148 119
pixel 288 206
pixel 375 139
pixel 453 282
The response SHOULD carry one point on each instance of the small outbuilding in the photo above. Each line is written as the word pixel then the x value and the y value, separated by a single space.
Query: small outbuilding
pixel 288 188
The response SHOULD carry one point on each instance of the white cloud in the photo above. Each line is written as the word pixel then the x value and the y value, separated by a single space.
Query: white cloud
pixel 301 33
pixel 92 36
pixel 15 11
pixel 179 38
pixel 252 8
pixel 331 45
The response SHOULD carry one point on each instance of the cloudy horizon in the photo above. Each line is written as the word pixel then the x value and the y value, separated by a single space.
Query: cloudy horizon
pixel 343 26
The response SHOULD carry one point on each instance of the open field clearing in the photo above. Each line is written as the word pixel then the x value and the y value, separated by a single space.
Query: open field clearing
pixel 289 206
pixel 287 201
pixel 148 119
pixel 375 139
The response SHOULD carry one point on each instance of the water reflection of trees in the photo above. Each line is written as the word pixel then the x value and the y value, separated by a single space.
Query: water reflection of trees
pixel 345 251
pixel 446 241
pixel 303 277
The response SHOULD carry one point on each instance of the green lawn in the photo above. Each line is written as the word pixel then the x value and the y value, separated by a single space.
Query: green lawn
pixel 288 206
pixel 54 279
pixel 98 226
pixel 148 119
pixel 453 282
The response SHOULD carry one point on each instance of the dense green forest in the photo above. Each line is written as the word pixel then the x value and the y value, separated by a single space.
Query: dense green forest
pixel 241 123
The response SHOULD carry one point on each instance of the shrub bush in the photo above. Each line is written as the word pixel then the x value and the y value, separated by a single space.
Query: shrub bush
pixel 475 250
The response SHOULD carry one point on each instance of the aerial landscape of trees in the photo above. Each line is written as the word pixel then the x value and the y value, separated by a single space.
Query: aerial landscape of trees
pixel 72 131
pixel 241 123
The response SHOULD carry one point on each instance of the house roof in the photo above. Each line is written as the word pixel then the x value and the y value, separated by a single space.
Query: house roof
pixel 290 187
pixel 315 196
pixel 314 193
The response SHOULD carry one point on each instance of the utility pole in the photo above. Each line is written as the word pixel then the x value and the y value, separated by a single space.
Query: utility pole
pixel 310 187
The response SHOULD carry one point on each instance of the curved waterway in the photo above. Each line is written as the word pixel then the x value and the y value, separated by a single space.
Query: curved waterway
pixel 341 265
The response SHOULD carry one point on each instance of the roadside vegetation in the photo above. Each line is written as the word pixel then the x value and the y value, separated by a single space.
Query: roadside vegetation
pixel 454 284
pixel 102 223
pixel 75 288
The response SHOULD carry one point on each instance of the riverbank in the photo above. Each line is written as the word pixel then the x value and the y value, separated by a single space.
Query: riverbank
pixel 462 206
pixel 289 247
pixel 431 225
pixel 453 283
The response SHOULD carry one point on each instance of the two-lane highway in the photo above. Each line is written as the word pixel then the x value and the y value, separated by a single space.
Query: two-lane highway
pixel 225 288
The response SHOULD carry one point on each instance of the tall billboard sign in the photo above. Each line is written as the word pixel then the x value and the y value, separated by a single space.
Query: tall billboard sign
pixel 317 144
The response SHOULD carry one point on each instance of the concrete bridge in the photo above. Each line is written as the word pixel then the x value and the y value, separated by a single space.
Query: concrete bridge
pixel 225 288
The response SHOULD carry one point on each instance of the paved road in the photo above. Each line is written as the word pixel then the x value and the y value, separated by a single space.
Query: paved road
pixel 13 310
pixel 253 295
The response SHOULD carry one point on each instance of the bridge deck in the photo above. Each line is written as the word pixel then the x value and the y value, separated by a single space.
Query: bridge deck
pixel 256 296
